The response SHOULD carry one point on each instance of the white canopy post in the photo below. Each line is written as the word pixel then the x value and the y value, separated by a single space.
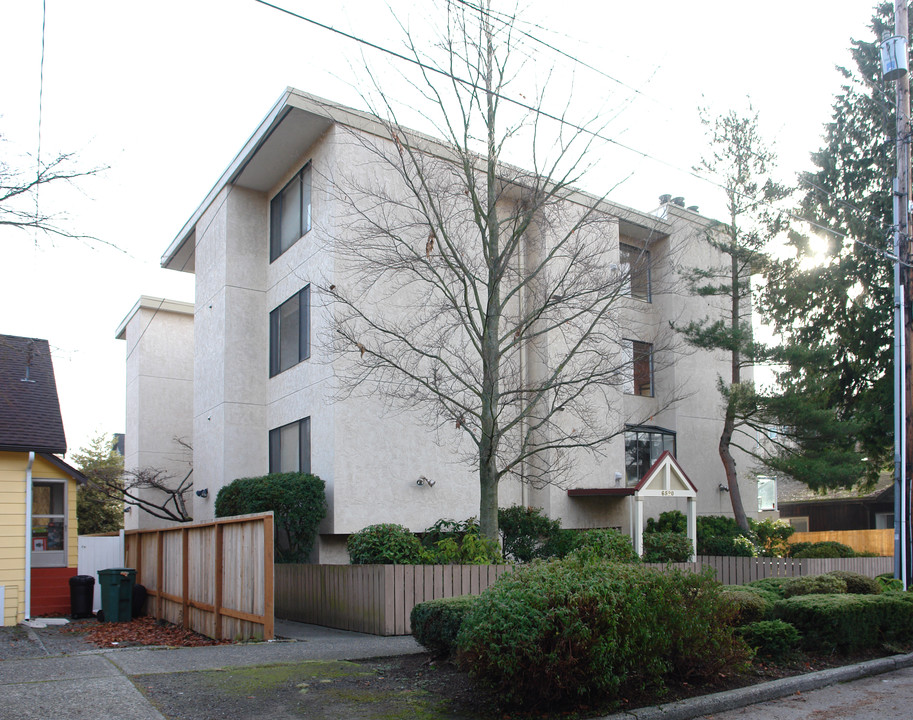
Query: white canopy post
pixel 692 526
pixel 639 525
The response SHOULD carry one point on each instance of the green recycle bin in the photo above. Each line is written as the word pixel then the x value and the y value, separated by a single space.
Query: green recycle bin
pixel 117 593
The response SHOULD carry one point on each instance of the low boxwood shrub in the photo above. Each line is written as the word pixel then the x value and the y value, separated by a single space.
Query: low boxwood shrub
pixel 751 604
pixel 605 544
pixel 814 585
pixel 773 585
pixel 435 623
pixel 298 502
pixel 721 535
pixel 385 544
pixel 669 521
pixel 575 630
pixel 666 547
pixel 823 549
pixel 775 639
pixel 857 583
pixel 849 622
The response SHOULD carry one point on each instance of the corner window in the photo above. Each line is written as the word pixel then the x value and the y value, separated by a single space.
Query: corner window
pixel 289 332
pixel 49 523
pixel 638 379
pixel 643 446
pixel 290 447
pixel 290 213
pixel 635 269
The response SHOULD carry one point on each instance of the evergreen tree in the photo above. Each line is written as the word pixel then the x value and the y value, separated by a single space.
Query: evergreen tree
pixel 96 510
pixel 836 316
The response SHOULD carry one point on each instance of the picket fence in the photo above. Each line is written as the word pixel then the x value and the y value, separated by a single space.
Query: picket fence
pixel 378 599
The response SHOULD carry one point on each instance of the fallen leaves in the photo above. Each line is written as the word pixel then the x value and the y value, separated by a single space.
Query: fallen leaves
pixel 141 631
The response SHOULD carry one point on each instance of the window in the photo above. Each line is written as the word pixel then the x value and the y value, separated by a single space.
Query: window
pixel 289 332
pixel 49 524
pixel 638 378
pixel 635 269
pixel 767 493
pixel 290 447
pixel 799 524
pixel 290 213
pixel 643 446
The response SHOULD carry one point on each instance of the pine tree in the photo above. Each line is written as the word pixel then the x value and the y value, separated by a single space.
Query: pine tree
pixel 96 510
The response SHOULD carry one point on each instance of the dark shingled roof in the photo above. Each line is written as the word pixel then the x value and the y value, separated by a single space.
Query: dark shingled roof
pixel 29 409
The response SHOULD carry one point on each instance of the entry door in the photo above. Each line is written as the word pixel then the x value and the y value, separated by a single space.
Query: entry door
pixel 49 523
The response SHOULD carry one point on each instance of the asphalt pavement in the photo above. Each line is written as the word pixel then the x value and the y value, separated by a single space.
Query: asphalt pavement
pixel 41 677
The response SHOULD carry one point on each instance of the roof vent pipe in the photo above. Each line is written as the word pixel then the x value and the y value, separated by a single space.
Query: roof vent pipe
pixel 680 201
pixel 664 199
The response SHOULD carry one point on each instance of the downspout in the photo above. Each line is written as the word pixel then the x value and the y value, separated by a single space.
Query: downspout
pixel 28 537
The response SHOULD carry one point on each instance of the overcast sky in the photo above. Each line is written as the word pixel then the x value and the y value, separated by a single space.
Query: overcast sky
pixel 164 94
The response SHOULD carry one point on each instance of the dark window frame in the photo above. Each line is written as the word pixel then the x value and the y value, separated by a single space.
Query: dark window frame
pixel 299 185
pixel 277 362
pixel 639 268
pixel 304 446
pixel 640 441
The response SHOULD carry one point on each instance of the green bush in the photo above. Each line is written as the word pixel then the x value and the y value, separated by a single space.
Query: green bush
pixel 385 544
pixel 721 535
pixel 856 583
pixel 849 622
pixel 887 581
pixel 771 638
pixel 772 537
pixel 470 549
pixel 773 585
pixel 751 605
pixel 824 549
pixel 669 521
pixel 435 623
pixel 298 502
pixel 576 630
pixel 526 533
pixel 666 547
pixel 814 585
pixel 562 543
pixel 605 544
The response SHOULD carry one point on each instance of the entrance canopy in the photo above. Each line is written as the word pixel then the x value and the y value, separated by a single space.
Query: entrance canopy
pixel 665 479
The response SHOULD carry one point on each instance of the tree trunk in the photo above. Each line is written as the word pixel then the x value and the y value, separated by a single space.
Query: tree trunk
pixel 732 479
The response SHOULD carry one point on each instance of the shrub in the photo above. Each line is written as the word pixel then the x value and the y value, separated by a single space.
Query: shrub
pixel 813 585
pixel 771 585
pixel 605 544
pixel 562 543
pixel 856 583
pixel 823 549
pixel 526 533
pixel 575 630
pixel 887 581
pixel 772 537
pixel 717 534
pixel 448 530
pixel 435 623
pixel 385 544
pixel 669 521
pixel 666 547
pixel 771 638
pixel 471 549
pixel 849 622
pixel 751 605
pixel 298 502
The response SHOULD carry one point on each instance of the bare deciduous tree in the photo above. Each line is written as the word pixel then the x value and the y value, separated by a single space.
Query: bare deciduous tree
pixel 489 299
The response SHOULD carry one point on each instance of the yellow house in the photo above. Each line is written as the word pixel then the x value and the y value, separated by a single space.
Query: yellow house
pixel 38 547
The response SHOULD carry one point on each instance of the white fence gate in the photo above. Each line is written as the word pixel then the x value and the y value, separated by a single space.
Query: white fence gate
pixel 100 552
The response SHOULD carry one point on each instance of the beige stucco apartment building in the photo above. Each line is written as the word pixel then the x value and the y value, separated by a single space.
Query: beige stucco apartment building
pixel 250 397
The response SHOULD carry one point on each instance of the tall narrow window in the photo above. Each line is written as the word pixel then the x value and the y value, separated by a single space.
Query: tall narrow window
pixel 49 522
pixel 635 269
pixel 638 378
pixel 643 446
pixel 290 447
pixel 290 213
pixel 289 332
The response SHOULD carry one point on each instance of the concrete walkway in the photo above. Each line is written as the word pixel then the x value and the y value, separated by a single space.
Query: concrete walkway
pixel 95 684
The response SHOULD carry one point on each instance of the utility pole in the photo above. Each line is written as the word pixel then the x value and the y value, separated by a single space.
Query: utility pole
pixel 895 64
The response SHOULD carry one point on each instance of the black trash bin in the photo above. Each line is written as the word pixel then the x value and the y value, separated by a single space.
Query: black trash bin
pixel 82 591
pixel 116 593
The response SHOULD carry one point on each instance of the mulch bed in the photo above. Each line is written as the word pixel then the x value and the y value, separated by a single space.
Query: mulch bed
pixel 138 632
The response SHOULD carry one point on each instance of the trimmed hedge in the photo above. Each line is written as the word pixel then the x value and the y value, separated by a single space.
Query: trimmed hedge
pixel 823 549
pixel 849 622
pixel 856 583
pixel 752 605
pixel 298 502
pixel 385 544
pixel 666 547
pixel 572 631
pixel 771 585
pixel 605 544
pixel 435 623
pixel 771 638
pixel 813 585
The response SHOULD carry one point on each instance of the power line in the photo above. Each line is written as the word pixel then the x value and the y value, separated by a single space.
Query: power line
pixel 44 13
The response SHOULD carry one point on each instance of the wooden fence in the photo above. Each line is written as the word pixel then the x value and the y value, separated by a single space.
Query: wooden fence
pixel 373 599
pixel 378 599
pixel 880 542
pixel 214 578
